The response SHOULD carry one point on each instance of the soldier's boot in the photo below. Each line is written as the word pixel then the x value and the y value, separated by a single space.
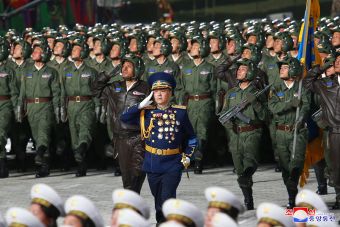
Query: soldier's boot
pixel 198 167
pixel 245 182
pixel 117 171
pixel 248 197
pixel 336 205
pixel 4 173
pixel 80 155
pixel 292 189
pixel 82 169
pixel 42 171
pixel 39 157
pixel 278 167
pixel 319 169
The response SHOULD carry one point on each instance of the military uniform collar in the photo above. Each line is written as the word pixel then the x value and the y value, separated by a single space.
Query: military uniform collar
pixel 220 55
pixel 78 67
pixel 164 62
pixel 39 68
pixel 103 60
pixel 193 62
pixel 289 86
pixel 175 59
pixel 164 108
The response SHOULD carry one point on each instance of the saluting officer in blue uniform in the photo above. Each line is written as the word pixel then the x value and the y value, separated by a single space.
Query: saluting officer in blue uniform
pixel 169 138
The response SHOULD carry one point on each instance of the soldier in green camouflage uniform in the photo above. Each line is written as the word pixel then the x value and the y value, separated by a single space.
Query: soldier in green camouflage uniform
pixel 245 133
pixel 179 46
pixel 8 99
pixel 283 102
pixel 79 103
pixel 20 132
pixel 198 84
pixel 40 98
pixel 61 137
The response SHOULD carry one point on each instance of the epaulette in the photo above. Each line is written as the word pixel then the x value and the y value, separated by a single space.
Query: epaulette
pixel 150 107
pixel 179 107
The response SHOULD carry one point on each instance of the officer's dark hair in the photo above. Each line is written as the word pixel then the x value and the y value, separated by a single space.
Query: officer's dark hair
pixel 85 222
pixel 51 212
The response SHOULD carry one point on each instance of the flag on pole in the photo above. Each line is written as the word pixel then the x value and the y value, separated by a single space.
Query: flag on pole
pixel 309 56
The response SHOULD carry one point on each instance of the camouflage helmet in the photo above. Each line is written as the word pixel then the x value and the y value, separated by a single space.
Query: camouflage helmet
pixel 26 47
pixel 105 43
pixel 252 69
pixel 141 41
pixel 287 40
pixel 255 52
pixel 295 67
pixel 4 49
pixel 166 47
pixel 214 34
pixel 118 39
pixel 67 46
pixel 256 31
pixel 183 44
pixel 204 45
pixel 239 41
pixel 325 46
pixel 137 63
pixel 85 50
pixel 46 51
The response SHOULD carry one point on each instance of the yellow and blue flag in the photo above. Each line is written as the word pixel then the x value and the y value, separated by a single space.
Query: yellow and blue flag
pixel 309 56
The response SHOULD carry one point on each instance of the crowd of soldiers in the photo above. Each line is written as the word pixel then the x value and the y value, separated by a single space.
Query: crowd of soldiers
pixel 79 82
pixel 47 209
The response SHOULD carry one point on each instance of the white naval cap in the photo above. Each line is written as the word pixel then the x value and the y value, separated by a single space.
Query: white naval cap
pixel 17 216
pixel 171 223
pixel 222 220
pixel 124 198
pixel 274 215
pixel 47 196
pixel 128 217
pixel 84 208
pixel 183 211
pixel 308 198
pixel 2 221
pixel 223 199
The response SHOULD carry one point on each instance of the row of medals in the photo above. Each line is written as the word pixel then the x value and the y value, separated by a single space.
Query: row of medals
pixel 169 122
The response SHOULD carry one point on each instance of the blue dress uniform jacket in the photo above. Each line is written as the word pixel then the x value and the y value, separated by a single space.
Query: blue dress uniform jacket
pixel 168 133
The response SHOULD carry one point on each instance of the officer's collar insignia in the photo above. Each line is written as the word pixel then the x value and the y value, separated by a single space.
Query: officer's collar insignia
pixel 204 72
pixel 137 93
pixel 179 107
pixel 85 75
pixel 45 75
pixel 3 74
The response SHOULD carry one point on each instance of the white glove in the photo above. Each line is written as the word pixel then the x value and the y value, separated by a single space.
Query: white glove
pixel 146 102
pixel 185 161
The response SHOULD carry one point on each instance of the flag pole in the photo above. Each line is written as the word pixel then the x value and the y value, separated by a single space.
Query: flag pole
pixel 305 43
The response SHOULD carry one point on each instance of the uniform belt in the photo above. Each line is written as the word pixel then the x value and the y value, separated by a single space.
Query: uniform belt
pixel 79 98
pixel 38 100
pixel 199 97
pixel 158 151
pixel 5 97
pixel 247 128
pixel 286 128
